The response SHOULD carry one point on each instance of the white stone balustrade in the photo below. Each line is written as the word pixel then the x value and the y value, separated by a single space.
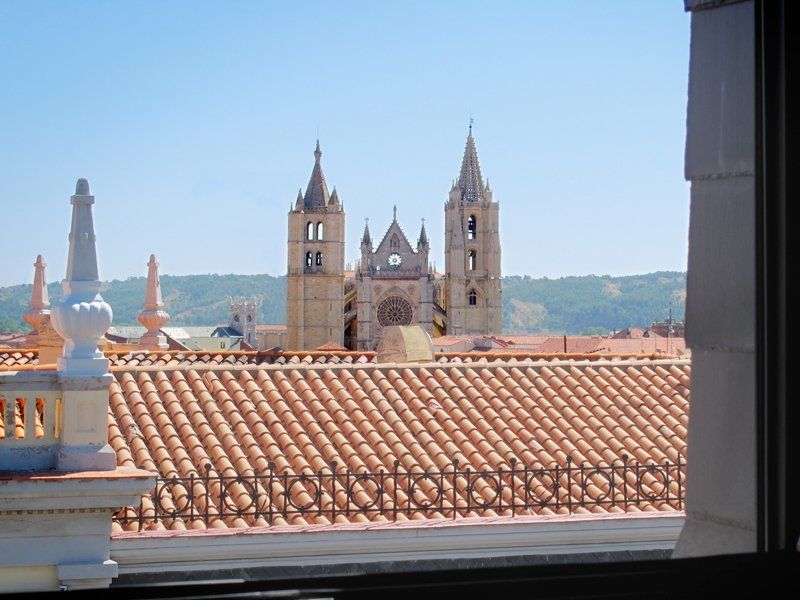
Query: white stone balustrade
pixel 59 480
pixel 53 422
pixel 30 417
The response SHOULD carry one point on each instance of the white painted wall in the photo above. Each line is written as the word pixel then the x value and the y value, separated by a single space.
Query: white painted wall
pixel 465 538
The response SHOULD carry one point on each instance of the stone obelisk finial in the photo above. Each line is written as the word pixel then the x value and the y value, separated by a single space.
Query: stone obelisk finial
pixel 82 317
pixel 153 316
pixel 39 305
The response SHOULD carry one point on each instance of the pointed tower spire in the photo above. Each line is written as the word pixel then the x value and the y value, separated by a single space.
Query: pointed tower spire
pixel 334 197
pixel 153 316
pixel 422 242
pixel 82 317
pixel 40 302
pixel 317 191
pixel 469 180
pixel 366 239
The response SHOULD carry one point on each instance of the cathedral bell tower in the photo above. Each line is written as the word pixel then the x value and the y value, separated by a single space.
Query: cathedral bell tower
pixel 315 274
pixel 472 252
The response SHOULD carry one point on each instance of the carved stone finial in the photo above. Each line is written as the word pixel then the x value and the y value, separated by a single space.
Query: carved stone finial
pixel 82 317
pixel 40 303
pixel 82 187
pixel 153 316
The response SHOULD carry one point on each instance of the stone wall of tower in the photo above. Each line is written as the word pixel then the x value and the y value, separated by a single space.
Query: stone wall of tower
pixel 455 261
pixel 315 294
pixel 470 197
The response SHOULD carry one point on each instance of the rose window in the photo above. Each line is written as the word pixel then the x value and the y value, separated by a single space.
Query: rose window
pixel 394 311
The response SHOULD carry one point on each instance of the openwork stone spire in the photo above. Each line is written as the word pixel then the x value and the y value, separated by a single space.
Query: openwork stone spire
pixel 82 317
pixel 470 182
pixel 40 301
pixel 153 316
pixel 317 195
pixel 366 239
pixel 422 242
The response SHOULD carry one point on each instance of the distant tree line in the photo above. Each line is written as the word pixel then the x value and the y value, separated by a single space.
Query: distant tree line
pixel 571 305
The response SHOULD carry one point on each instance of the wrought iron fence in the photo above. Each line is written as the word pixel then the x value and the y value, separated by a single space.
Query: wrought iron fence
pixel 449 493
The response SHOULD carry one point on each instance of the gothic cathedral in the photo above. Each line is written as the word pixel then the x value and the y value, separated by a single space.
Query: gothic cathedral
pixel 393 283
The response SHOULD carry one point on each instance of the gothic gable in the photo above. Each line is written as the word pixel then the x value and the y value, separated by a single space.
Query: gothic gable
pixel 395 240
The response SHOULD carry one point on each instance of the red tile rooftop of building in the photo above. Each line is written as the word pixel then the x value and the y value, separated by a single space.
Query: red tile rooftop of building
pixel 303 417
pixel 26 359
pixel 241 412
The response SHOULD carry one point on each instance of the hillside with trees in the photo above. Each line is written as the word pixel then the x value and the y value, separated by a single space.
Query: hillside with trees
pixel 572 305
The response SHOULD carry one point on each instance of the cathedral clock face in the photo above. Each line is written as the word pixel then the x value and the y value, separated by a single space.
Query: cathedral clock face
pixel 395 260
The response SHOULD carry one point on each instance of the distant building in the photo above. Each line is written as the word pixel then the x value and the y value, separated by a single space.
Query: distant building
pixel 675 328
pixel 243 319
pixel 270 336
pixel 393 283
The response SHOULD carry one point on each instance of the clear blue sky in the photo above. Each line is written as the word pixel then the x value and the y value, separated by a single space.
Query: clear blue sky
pixel 195 125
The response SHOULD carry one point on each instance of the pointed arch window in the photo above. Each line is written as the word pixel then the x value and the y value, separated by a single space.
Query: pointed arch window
pixel 309 259
pixel 310 230
pixel 472 227
pixel 319 259
pixel 473 260
pixel 394 243
pixel 320 230
pixel 473 298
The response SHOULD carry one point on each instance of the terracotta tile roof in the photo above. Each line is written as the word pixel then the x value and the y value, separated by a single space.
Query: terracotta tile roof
pixel 573 343
pixel 302 416
pixel 451 340
pixel 16 358
pixel 12 339
pixel 12 359
pixel 611 345
pixel 524 340
pixel 270 327
pixel 652 345
pixel 331 347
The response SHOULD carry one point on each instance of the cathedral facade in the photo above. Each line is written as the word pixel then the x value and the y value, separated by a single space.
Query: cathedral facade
pixel 393 283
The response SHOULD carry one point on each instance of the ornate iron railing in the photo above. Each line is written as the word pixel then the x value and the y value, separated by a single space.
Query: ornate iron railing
pixel 449 493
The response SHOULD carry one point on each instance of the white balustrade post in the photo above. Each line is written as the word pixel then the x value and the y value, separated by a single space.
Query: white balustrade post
pixel 82 317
